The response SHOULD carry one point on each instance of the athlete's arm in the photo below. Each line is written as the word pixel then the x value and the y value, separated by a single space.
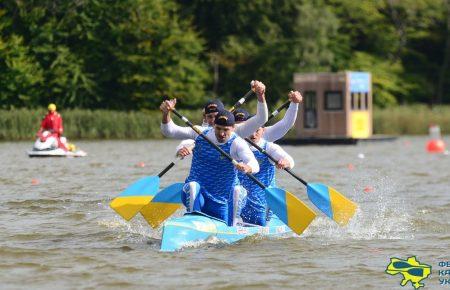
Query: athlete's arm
pixel 279 129
pixel 262 114
pixel 169 128
pixel 251 125
pixel 284 159
pixel 185 147
pixel 241 151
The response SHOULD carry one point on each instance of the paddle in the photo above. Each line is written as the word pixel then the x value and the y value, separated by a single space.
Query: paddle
pixel 155 214
pixel 241 100
pixel 134 197
pixel 163 205
pixel 277 111
pixel 327 199
pixel 292 211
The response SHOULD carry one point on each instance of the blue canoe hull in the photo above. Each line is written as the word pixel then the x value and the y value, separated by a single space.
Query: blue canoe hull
pixel 193 228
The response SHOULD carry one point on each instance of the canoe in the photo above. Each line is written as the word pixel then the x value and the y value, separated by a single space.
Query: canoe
pixel 193 228
pixel 56 153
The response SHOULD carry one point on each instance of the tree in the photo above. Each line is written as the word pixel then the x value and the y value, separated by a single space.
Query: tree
pixel 266 40
pixel 120 55
pixel 21 73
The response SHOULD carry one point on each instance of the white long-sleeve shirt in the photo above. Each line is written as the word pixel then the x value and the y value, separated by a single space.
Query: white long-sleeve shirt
pixel 275 151
pixel 244 129
pixel 239 149
pixel 279 129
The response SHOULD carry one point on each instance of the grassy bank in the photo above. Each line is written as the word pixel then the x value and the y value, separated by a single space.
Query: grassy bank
pixel 411 120
pixel 22 124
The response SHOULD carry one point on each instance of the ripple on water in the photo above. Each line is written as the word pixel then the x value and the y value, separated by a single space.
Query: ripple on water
pixel 65 222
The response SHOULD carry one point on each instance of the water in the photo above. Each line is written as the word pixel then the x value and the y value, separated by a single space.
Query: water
pixel 58 231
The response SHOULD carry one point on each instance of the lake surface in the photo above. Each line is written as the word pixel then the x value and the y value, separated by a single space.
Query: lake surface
pixel 57 230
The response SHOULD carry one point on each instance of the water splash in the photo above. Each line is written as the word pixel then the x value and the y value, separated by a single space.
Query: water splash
pixel 381 215
pixel 134 231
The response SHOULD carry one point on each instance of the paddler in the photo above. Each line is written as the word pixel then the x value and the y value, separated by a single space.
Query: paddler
pixel 244 129
pixel 271 133
pixel 255 210
pixel 213 181
pixel 280 128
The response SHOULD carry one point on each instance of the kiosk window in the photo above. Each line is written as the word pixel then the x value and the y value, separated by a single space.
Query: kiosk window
pixel 366 99
pixel 359 101
pixel 333 101
pixel 310 111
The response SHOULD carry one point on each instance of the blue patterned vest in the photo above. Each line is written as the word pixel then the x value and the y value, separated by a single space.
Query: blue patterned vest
pixel 216 175
pixel 255 195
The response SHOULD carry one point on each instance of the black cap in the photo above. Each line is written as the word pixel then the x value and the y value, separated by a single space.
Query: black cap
pixel 213 106
pixel 224 118
pixel 241 115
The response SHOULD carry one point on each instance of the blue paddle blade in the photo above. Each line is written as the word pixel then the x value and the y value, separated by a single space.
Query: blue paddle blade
pixel 291 210
pixel 331 202
pixel 134 197
pixel 163 205
pixel 145 186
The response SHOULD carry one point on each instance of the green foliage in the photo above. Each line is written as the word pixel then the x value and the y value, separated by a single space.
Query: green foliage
pixel 22 124
pixel 266 40
pixel 128 54
pixel 404 40
pixel 411 120
pixel 103 54
pixel 19 70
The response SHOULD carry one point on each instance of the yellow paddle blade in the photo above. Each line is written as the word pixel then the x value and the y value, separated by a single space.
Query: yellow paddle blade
pixel 128 206
pixel 164 204
pixel 331 202
pixel 343 208
pixel 299 214
pixel 156 213
pixel 291 210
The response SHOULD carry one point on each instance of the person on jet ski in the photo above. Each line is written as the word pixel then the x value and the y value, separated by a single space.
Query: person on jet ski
pixel 53 124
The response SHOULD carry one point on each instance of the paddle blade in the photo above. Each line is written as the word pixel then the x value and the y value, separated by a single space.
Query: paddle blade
pixel 134 197
pixel 163 205
pixel 291 210
pixel 334 204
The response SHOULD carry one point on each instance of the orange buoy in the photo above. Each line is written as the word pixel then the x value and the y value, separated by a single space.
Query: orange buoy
pixel 435 146
pixel 34 181
pixel 368 189
pixel 351 167
pixel 140 164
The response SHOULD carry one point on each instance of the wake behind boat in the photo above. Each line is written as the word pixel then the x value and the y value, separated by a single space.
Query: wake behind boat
pixel 197 227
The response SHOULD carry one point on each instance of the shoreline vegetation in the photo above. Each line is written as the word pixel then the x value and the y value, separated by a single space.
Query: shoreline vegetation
pixel 22 124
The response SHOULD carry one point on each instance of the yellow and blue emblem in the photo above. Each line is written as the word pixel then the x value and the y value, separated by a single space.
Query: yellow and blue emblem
pixel 412 271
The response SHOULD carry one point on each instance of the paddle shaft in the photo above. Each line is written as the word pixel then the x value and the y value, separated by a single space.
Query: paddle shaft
pixel 277 111
pixel 274 113
pixel 237 105
pixel 274 160
pixel 166 169
pixel 241 101
pixel 226 155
